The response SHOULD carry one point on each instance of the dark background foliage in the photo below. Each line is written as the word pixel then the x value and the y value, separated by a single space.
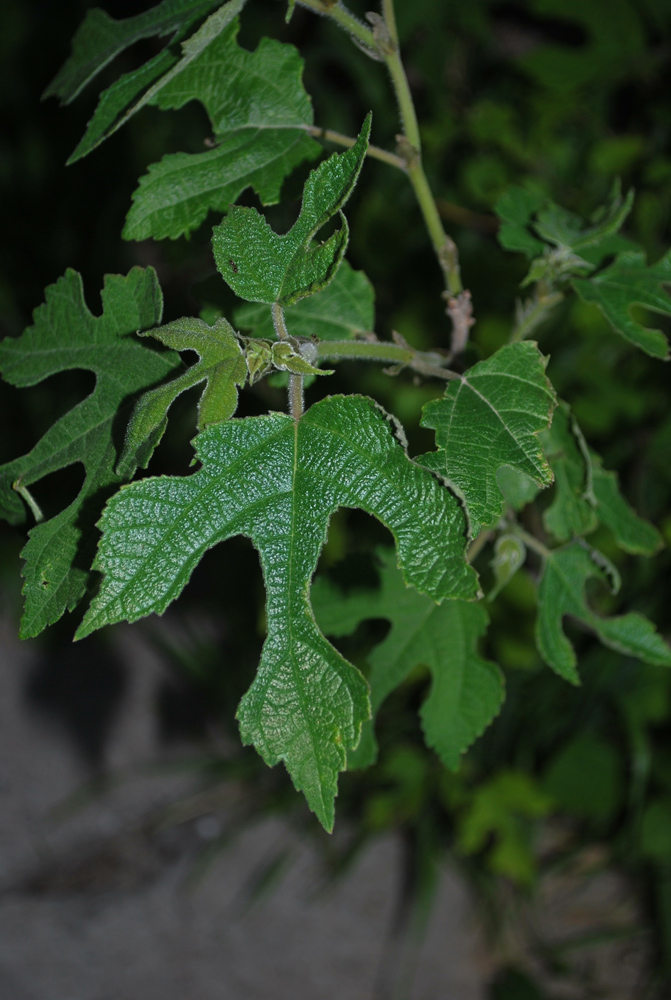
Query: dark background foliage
pixel 564 94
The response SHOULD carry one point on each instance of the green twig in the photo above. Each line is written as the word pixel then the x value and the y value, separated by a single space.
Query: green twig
pixel 346 140
pixel 530 541
pixel 295 381
pixel 342 16
pixel 426 363
pixel 531 314
pixel 278 322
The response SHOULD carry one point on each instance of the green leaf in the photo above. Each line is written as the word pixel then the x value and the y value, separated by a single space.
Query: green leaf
pixel 277 481
pixel 565 229
pixel 488 418
pixel 134 90
pixel 222 367
pixel 341 310
pixel 259 111
pixel 632 533
pixel 515 209
pixel 65 335
pixel 573 509
pixel 627 282
pixel 99 39
pixel 262 266
pixel 466 691
pixel 562 592
pixel 518 490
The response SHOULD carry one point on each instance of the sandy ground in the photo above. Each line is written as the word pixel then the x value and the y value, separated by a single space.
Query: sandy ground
pixel 96 906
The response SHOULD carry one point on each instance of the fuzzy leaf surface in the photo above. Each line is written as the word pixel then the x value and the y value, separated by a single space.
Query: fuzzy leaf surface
pixel 562 592
pixel 566 229
pixel 340 311
pixel 262 266
pixel 221 366
pixel 134 90
pixel 277 481
pixel 488 418
pixel 630 281
pixel 466 691
pixel 258 109
pixel 66 335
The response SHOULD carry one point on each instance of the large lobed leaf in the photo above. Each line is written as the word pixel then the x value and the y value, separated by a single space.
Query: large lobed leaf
pixel 259 111
pixel 466 691
pixel 65 335
pixel 489 418
pixel 562 592
pixel 262 266
pixel 278 481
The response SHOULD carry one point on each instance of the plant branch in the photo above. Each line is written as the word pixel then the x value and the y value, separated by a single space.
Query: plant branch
pixel 278 322
pixel 531 314
pixel 295 381
pixel 345 140
pixel 426 363
pixel 337 11
pixel 530 541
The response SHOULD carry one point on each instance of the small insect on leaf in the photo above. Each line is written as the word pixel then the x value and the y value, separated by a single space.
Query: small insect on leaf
pixel 233 266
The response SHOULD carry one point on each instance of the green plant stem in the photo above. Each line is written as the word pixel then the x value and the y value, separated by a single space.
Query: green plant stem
pixel 444 247
pixel 530 541
pixel 346 140
pixel 528 321
pixel 278 322
pixel 295 381
pixel 342 16
pixel 424 363
pixel 477 545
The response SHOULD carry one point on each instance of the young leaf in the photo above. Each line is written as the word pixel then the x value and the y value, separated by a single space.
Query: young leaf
pixel 65 335
pixel 627 282
pixel 466 691
pixel 341 310
pixel 573 508
pixel 632 533
pixel 262 266
pixel 515 209
pixel 258 109
pixel 488 418
pixel 222 366
pixel 277 481
pixel 509 554
pixel 562 592
pixel 565 229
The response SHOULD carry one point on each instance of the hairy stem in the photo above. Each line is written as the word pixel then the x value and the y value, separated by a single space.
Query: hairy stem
pixel 530 541
pixel 342 16
pixel 346 140
pixel 530 315
pixel 425 363
pixel 278 322
pixel 296 396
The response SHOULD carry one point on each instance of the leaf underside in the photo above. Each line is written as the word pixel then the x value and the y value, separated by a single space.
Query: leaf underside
pixel 64 336
pixel 466 691
pixel 277 481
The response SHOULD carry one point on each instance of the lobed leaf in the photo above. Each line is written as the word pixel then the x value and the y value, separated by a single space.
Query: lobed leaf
pixel 632 533
pixel 134 90
pixel 64 336
pixel 466 691
pixel 489 418
pixel 627 282
pixel 515 208
pixel 259 111
pixel 341 310
pixel 562 592
pixel 573 509
pixel 262 266
pixel 277 481
pixel 221 366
